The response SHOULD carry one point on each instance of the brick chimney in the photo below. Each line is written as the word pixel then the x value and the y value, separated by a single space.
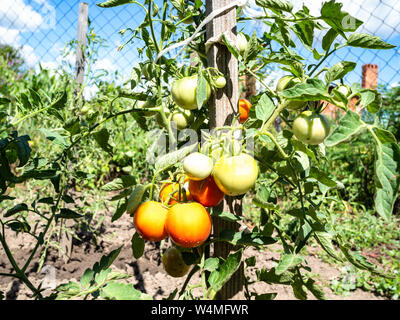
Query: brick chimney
pixel 370 76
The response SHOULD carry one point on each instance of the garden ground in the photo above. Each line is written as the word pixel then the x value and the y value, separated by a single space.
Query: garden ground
pixel 147 272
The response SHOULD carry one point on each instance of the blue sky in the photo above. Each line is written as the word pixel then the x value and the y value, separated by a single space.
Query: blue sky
pixel 42 27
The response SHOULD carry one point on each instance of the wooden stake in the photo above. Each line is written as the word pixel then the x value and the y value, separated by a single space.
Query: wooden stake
pixel 223 107
pixel 80 50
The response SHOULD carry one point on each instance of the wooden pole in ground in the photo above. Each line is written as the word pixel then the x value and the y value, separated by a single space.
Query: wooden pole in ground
pixel 80 50
pixel 65 237
pixel 223 107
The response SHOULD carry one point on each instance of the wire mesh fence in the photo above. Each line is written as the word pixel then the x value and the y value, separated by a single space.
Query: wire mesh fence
pixel 41 28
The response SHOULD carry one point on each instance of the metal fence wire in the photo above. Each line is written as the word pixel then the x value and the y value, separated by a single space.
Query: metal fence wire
pixel 41 28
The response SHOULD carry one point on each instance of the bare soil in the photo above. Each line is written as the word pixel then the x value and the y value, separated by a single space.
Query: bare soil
pixel 147 272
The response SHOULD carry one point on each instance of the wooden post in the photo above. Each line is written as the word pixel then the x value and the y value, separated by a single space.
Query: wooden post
pixel 65 237
pixel 223 107
pixel 80 50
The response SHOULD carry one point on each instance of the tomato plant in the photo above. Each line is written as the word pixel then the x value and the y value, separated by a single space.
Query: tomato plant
pixel 246 159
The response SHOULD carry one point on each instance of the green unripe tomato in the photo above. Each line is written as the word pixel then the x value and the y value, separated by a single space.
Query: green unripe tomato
pixel 184 92
pixel 173 263
pixel 235 175
pixel 182 119
pixel 311 128
pixel 197 166
pixel 241 43
pixel 288 82
pixel 220 82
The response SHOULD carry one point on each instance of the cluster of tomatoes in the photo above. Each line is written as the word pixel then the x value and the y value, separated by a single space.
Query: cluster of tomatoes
pixel 181 212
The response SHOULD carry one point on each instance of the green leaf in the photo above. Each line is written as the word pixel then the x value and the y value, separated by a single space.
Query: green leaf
pixel 135 198
pixel 251 51
pixel 367 41
pixel 19 226
pixel 339 20
pixel 106 260
pixel 102 136
pixel 371 99
pixel 270 276
pixel 137 245
pixel 325 241
pixel 211 264
pixel 275 5
pixel 4 100
pixel 305 32
pixel 101 276
pixel 339 70
pixel 359 261
pixel 201 91
pixel 384 136
pixel 87 278
pixel 387 176
pixel 55 137
pixel 23 149
pixel 60 102
pixel 120 183
pixel 264 204
pixel 225 215
pixel 298 289
pixel 121 291
pixel 230 45
pixel 219 277
pixel 313 90
pixel 16 209
pixel 25 101
pixel 288 262
pixel 121 207
pixel 113 3
pixel 264 108
pixel 170 159
pixel 328 39
pixel 245 238
pixel 322 177
pixel 68 214
pixel 349 125
pixel 316 290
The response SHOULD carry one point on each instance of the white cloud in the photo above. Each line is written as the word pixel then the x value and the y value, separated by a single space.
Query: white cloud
pixel 17 15
pixel 9 36
pixel 380 17
pixel 28 54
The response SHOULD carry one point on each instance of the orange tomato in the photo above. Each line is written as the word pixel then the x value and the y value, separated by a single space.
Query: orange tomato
pixel 244 109
pixel 206 192
pixel 188 224
pixel 149 220
pixel 172 188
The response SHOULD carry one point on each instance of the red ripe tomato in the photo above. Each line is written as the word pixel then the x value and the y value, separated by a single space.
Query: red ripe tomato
pixel 188 224
pixel 244 109
pixel 206 192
